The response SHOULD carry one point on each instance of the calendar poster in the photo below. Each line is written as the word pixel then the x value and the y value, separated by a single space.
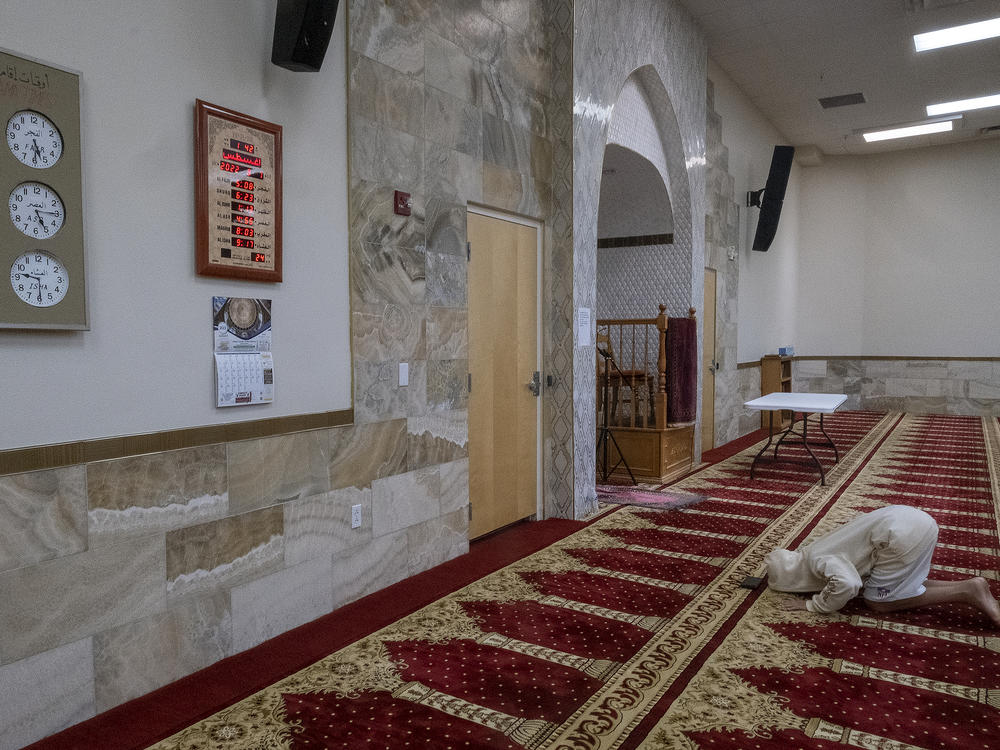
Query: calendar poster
pixel 244 365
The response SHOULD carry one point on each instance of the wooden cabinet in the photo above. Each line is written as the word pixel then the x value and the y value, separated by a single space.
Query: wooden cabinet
pixel 775 375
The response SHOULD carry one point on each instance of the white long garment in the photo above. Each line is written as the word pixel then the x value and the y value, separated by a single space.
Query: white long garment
pixel 886 552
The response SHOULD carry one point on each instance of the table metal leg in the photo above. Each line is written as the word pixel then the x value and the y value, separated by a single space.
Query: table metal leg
pixel 836 454
pixel 805 443
pixel 770 434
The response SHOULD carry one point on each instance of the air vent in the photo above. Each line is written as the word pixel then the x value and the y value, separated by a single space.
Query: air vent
pixel 844 100
pixel 990 131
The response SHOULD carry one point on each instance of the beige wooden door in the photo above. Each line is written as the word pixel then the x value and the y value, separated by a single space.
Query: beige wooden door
pixel 708 365
pixel 503 357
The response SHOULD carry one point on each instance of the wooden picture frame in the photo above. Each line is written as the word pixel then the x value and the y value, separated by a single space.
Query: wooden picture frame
pixel 237 162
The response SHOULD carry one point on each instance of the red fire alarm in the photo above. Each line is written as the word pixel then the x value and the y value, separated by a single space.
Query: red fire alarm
pixel 402 203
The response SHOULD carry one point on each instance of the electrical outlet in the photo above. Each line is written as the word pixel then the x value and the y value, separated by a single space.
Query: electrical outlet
pixel 355 516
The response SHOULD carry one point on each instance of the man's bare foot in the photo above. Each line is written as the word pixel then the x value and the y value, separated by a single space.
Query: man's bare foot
pixel 981 597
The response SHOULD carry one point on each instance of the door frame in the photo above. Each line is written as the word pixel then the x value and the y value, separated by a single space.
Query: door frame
pixel 539 228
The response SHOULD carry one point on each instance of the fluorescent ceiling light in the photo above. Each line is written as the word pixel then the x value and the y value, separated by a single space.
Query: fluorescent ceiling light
pixel 963 105
pixel 970 32
pixel 910 130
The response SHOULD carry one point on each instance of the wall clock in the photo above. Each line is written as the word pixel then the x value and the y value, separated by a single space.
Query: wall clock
pixel 39 278
pixel 36 209
pixel 41 239
pixel 237 195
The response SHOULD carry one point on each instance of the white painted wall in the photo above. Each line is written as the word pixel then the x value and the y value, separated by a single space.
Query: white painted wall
pixel 768 284
pixel 146 364
pixel 899 253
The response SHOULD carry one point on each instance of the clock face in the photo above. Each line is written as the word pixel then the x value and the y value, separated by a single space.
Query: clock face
pixel 39 278
pixel 34 139
pixel 36 210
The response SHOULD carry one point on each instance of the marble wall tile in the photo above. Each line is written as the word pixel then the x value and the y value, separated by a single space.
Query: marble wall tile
pixel 46 693
pixel 405 500
pixel 377 395
pixel 141 656
pixel 63 600
pixel 448 68
pixel 416 393
pixel 452 174
pixel 514 191
pixel 446 224
pixel 386 156
pixel 437 437
pixel 362 453
pixel 447 282
pixel 374 221
pixel 360 571
pixel 223 553
pixel 379 92
pixel 320 525
pixel 506 145
pixel 276 603
pixel 454 486
pixel 810 368
pixel 527 61
pixel 505 98
pixel 968 370
pixel 448 333
pixel 154 493
pixel 447 384
pixel 43 515
pixel 382 274
pixel 479 35
pixel 277 469
pixel 983 391
pixel 453 122
pixel 387 331
pixel 389 34
pixel 438 540
pixel 844 368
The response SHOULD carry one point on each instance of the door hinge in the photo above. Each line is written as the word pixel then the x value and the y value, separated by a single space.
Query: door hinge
pixel 468 251
pixel 470 382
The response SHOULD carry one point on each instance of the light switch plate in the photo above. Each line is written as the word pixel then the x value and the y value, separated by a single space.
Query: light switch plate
pixel 404 373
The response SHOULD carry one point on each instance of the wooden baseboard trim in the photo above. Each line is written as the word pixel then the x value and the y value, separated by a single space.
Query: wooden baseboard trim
pixel 875 357
pixel 55 455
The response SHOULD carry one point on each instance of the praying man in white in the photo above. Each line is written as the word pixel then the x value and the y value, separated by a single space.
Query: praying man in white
pixel 885 556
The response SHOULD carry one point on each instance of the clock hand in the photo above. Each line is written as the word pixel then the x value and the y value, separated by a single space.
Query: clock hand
pixel 36 148
pixel 40 219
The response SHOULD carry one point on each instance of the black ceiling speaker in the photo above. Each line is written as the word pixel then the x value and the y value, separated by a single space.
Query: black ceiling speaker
pixel 302 30
pixel 773 197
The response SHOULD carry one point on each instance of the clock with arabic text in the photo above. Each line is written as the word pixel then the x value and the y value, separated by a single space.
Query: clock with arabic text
pixel 41 238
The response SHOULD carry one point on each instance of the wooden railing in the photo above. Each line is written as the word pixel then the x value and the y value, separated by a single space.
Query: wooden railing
pixel 632 379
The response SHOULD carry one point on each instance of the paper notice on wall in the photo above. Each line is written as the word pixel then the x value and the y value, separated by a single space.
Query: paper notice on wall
pixel 244 378
pixel 244 365
pixel 583 326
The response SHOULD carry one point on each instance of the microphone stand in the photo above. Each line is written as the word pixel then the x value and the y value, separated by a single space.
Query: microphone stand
pixel 606 433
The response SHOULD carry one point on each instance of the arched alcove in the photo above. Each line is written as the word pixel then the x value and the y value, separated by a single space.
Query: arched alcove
pixel 644 205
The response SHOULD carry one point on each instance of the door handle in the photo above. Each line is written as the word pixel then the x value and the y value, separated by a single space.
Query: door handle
pixel 535 386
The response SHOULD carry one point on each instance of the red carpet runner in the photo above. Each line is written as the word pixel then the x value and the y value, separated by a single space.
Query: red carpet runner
pixel 633 631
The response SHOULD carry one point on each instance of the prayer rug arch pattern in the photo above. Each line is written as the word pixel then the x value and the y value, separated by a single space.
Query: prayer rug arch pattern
pixel 633 632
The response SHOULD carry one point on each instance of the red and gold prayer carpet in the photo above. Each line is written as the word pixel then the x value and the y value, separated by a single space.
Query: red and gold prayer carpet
pixel 633 631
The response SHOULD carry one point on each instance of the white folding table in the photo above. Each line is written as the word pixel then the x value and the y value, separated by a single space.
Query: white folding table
pixel 804 404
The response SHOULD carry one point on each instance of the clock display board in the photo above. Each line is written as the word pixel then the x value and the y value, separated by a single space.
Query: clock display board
pixel 41 233
pixel 238 195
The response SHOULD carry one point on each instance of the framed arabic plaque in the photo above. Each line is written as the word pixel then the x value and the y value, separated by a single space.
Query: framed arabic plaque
pixel 237 195
pixel 41 179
